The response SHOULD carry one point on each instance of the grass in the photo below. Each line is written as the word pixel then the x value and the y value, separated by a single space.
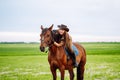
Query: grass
pixel 23 67
pixel 26 62
pixel 19 49
pixel 102 48
pixel 33 49
pixel 100 67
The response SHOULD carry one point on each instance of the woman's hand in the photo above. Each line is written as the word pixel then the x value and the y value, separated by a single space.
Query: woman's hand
pixel 55 43
pixel 59 44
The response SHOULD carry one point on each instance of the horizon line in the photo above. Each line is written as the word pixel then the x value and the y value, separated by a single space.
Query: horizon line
pixel 34 37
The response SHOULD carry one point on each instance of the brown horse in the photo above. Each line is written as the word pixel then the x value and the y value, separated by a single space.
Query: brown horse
pixel 58 59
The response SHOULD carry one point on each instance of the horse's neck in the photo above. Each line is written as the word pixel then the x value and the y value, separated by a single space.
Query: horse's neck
pixel 56 51
pixel 53 50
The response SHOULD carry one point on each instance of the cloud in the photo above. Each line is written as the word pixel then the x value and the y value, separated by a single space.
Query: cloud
pixel 19 37
pixel 94 38
pixel 93 17
pixel 34 37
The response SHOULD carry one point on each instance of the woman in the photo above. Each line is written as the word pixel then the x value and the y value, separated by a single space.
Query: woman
pixel 66 40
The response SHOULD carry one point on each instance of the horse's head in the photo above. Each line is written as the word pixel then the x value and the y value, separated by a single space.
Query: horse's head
pixel 46 37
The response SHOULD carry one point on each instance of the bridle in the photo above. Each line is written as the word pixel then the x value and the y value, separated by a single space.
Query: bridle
pixel 51 39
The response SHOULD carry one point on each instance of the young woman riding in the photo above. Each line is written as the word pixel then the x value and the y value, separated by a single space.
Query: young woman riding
pixel 66 40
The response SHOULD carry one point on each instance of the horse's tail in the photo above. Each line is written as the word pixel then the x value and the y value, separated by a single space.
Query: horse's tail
pixel 81 67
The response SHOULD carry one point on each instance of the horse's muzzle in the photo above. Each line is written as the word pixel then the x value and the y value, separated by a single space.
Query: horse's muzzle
pixel 42 49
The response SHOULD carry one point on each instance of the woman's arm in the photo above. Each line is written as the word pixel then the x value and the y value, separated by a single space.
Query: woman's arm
pixel 59 44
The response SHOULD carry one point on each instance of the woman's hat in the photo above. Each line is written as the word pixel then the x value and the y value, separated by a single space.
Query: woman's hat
pixel 63 27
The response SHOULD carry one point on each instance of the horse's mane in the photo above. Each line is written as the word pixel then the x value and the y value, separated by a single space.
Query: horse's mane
pixel 56 36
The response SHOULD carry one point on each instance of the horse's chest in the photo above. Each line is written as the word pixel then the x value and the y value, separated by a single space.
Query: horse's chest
pixel 55 61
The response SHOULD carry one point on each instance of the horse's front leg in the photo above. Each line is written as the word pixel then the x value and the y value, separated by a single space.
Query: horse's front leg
pixel 71 74
pixel 62 72
pixel 53 70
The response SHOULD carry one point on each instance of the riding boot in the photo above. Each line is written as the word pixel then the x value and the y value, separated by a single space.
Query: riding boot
pixel 74 60
pixel 72 56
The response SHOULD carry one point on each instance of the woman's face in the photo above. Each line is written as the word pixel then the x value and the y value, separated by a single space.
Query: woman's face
pixel 61 32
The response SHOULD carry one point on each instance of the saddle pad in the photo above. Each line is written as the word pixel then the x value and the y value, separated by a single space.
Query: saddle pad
pixel 74 49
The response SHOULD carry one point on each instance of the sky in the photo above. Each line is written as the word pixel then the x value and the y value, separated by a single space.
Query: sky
pixel 88 20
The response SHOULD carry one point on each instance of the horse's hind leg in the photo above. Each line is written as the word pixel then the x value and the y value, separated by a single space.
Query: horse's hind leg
pixel 53 70
pixel 71 74
pixel 80 71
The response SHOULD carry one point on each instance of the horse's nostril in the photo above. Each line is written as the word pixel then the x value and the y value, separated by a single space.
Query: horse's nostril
pixel 42 49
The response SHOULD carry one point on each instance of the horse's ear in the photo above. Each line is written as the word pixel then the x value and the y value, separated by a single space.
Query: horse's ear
pixel 50 28
pixel 42 27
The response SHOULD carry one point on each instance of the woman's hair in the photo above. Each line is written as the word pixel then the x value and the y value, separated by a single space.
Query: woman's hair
pixel 68 42
pixel 67 39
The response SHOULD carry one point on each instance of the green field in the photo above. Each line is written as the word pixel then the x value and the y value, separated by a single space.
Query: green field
pixel 26 62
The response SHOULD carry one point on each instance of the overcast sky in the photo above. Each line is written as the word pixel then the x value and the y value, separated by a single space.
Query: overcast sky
pixel 88 20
